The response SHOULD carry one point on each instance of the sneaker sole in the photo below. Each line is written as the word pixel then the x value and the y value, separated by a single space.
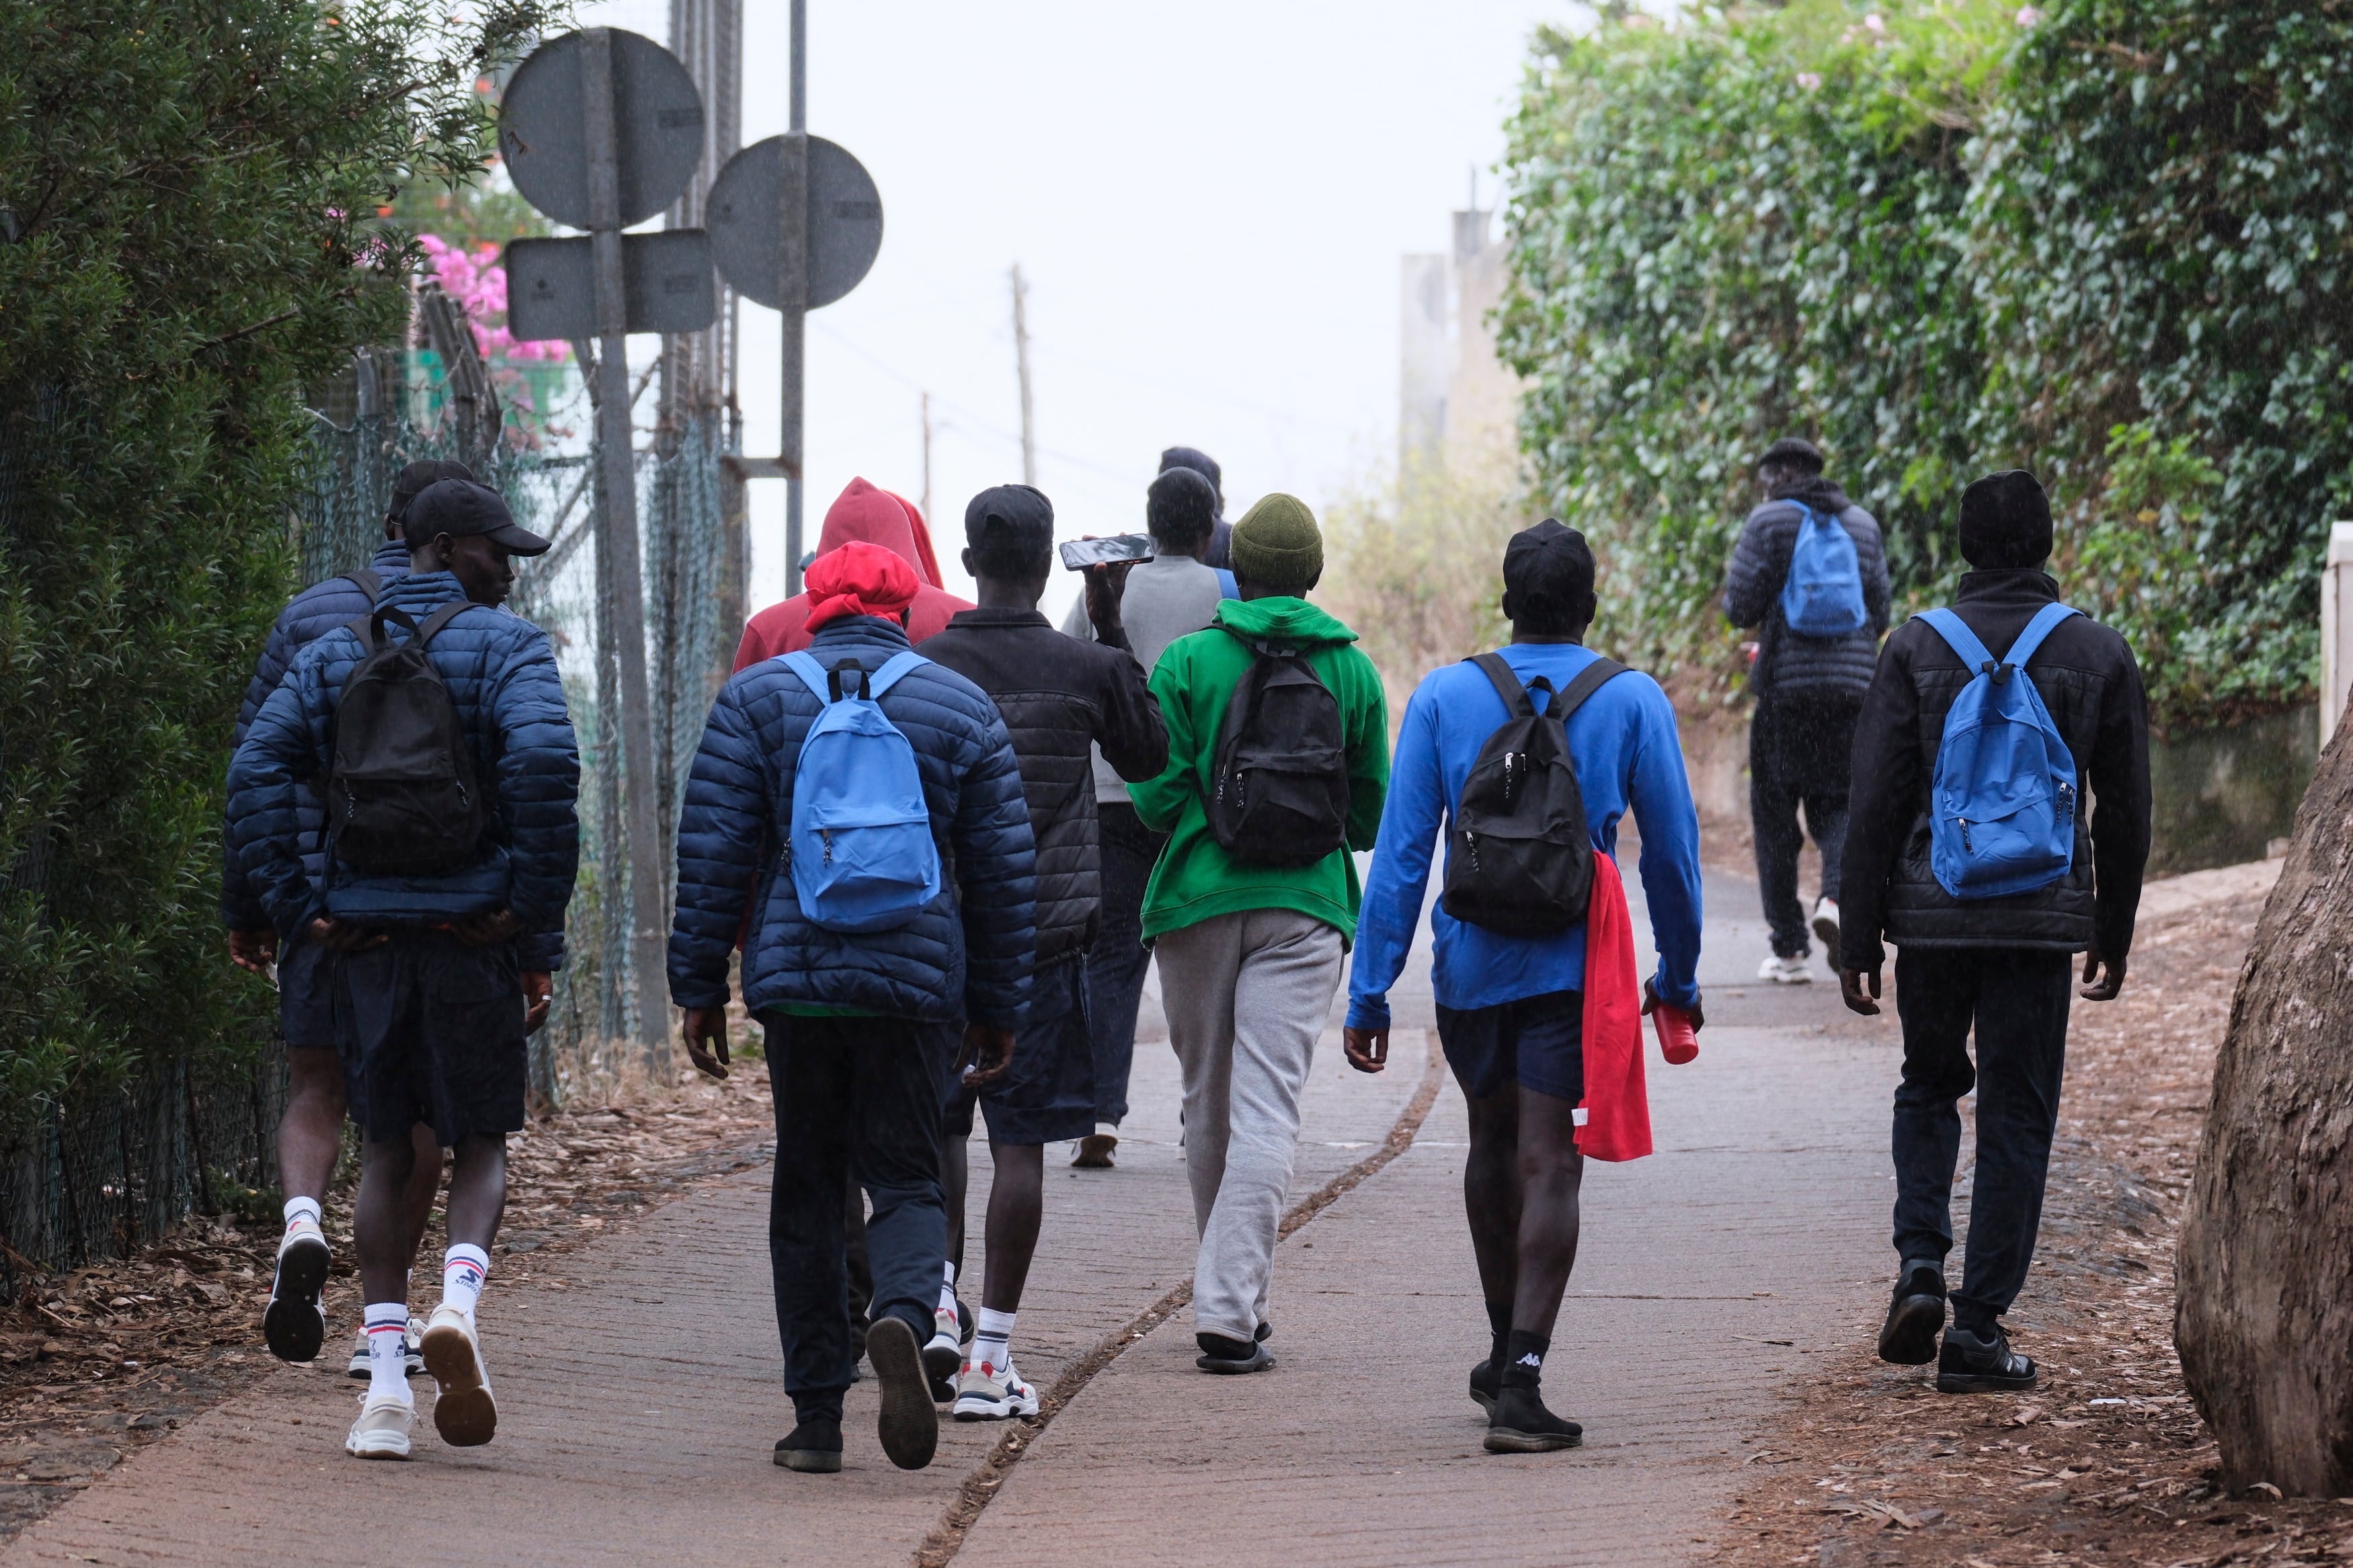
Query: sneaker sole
pixel 293 1327
pixel 1984 1382
pixel 810 1461
pixel 463 1413
pixel 942 1360
pixel 1506 1440
pixel 1826 932
pixel 1094 1153
pixel 909 1426
pixel 1485 1402
pixel 1262 1362
pixel 1909 1338
pixel 377 1450
pixel 990 1410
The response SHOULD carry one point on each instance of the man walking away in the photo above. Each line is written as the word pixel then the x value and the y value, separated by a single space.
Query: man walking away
pixel 1217 554
pixel 1989 906
pixel 1511 1003
pixel 1808 570
pixel 1061 700
pixel 310 1132
pixel 1276 720
pixel 1167 597
pixel 451 776
pixel 900 902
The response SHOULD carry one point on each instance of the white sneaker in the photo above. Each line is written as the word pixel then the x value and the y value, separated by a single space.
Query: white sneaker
pixel 1826 926
pixel 360 1370
pixel 295 1325
pixel 464 1412
pixel 382 1430
pixel 1786 971
pixel 945 1353
pixel 986 1393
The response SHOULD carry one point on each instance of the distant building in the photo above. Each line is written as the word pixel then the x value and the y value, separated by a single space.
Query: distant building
pixel 1458 404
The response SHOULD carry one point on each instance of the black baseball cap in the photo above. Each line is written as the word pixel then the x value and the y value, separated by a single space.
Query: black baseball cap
pixel 460 508
pixel 414 478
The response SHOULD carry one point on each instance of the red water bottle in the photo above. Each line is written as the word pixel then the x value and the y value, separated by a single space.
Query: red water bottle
pixel 1678 1041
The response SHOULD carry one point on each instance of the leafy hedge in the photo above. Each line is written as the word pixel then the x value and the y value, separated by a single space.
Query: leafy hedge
pixel 2106 241
pixel 189 232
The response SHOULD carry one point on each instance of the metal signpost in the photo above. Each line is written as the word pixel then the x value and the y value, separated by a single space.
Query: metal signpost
pixel 602 129
pixel 794 224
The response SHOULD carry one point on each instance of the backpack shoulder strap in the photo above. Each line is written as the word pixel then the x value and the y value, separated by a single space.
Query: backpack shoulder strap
pixel 2046 621
pixel 804 664
pixel 368 582
pixel 885 677
pixel 1589 680
pixel 368 627
pixel 1499 672
pixel 1959 638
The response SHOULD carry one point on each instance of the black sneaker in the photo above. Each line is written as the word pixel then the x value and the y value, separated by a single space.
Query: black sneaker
pixel 1265 1332
pixel 1972 1363
pixel 1915 1316
pixel 909 1426
pixel 813 1448
pixel 1521 1425
pixel 1231 1357
pixel 1486 1386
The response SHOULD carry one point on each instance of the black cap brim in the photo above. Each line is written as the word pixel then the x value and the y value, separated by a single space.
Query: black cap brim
pixel 518 540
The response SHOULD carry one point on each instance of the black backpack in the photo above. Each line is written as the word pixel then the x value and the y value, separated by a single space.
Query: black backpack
pixel 402 799
pixel 1280 790
pixel 1522 853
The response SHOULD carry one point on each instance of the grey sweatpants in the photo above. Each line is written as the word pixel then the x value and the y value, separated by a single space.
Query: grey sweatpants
pixel 1247 995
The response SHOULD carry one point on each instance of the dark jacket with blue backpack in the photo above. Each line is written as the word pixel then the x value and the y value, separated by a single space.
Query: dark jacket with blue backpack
pixel 1759 570
pixel 314 613
pixel 502 676
pixel 2091 688
pixel 967 953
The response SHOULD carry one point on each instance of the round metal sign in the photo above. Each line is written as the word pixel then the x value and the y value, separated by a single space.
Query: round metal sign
pixel 657 126
pixel 845 221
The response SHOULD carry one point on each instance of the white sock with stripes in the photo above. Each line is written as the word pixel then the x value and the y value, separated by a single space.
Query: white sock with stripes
pixel 464 1267
pixel 992 1341
pixel 387 1340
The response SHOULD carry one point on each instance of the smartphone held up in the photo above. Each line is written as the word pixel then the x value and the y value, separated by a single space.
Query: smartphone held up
pixel 1081 553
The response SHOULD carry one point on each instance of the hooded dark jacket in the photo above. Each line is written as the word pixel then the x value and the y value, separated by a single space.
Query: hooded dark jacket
pixel 1787 660
pixel 2092 686
pixel 1059 697
pixel 314 613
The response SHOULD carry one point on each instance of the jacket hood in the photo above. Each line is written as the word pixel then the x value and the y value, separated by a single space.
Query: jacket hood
pixel 862 512
pixel 928 564
pixel 1817 492
pixel 1283 618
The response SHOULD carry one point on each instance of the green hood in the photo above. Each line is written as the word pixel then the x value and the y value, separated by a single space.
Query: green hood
pixel 1283 619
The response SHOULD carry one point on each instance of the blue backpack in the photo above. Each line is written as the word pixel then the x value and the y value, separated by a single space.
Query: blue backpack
pixel 1822 595
pixel 862 851
pixel 2002 809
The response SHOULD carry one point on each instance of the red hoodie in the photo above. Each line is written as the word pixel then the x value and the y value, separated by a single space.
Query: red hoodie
pixel 877 517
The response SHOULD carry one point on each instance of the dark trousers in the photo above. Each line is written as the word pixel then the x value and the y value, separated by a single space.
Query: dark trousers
pixel 2016 998
pixel 1799 743
pixel 1115 964
pixel 856 1100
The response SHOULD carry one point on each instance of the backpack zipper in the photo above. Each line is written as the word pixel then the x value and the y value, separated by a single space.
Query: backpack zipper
pixel 1967 848
pixel 826 834
pixel 2067 803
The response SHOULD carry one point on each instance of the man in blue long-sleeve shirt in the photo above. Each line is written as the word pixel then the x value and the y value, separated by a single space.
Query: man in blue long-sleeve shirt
pixel 1511 1009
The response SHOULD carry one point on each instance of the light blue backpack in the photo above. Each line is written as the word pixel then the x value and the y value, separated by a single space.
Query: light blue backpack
pixel 1822 595
pixel 2002 808
pixel 862 851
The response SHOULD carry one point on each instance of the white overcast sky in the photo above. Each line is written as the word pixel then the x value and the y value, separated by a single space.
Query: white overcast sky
pixel 1209 201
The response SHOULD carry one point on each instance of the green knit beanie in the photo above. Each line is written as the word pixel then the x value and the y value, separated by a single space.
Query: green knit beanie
pixel 1276 545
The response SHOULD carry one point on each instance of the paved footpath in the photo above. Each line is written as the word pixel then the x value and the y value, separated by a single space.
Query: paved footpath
pixel 639 1403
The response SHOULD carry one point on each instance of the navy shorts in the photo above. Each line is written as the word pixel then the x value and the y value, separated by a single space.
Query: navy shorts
pixel 1048 1095
pixel 431 1030
pixel 1538 1042
pixel 306 995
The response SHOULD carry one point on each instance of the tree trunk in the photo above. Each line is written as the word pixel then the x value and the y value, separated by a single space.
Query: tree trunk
pixel 2264 1316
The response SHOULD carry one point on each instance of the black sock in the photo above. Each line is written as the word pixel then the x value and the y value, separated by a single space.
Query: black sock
pixel 1524 1354
pixel 1499 1321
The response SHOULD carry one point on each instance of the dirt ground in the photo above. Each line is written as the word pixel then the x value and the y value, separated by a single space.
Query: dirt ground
pixel 2107 1461
pixel 99 1361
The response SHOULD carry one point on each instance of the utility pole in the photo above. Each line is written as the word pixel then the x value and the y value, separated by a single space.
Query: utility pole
pixel 1021 364
pixel 792 303
pixel 927 458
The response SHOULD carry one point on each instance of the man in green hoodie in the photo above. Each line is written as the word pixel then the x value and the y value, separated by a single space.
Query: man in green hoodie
pixel 1250 947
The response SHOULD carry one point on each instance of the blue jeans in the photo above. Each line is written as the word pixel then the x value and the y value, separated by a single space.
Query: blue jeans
pixel 856 1100
pixel 2017 1001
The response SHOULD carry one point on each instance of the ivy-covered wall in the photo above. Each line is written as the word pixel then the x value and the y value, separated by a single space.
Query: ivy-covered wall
pixel 2103 239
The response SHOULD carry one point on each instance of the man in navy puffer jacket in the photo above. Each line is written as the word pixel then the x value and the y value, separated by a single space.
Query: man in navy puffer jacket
pixel 310 1134
pixel 437 978
pixel 861 1029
